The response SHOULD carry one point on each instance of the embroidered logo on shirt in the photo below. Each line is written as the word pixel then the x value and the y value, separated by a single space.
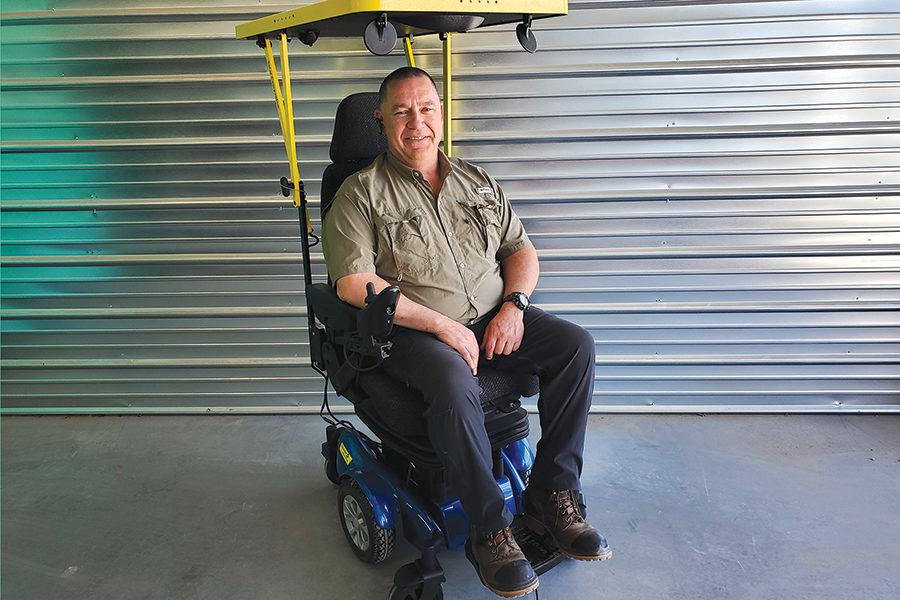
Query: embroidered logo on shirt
pixel 484 190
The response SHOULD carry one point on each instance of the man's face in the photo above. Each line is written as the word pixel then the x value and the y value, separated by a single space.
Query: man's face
pixel 413 120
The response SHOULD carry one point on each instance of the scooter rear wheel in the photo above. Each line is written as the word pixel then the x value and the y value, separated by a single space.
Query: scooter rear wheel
pixel 331 469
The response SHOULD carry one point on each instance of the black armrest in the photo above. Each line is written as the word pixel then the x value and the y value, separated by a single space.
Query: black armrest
pixel 349 331
pixel 329 309
pixel 373 321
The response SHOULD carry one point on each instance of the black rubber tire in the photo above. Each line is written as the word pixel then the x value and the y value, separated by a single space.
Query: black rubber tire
pixel 369 541
pixel 330 453
pixel 396 595
pixel 331 470
pixel 526 476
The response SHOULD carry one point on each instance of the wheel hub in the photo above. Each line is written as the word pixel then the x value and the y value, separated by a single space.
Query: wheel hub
pixel 355 523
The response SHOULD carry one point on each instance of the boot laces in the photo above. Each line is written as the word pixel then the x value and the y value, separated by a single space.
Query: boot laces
pixel 502 543
pixel 567 508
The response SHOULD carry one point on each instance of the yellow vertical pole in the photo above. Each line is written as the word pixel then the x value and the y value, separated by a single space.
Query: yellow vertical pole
pixel 407 48
pixel 448 97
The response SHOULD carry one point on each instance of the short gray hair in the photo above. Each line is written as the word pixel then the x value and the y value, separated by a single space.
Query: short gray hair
pixel 399 75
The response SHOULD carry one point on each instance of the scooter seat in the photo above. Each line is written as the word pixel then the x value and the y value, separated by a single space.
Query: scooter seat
pixel 394 411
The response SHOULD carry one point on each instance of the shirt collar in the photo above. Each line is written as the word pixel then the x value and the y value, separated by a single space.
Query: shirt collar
pixel 414 175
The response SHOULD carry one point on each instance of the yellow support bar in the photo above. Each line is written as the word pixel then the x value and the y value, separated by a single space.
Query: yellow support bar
pixel 407 48
pixel 448 96
pixel 284 104
pixel 289 118
pixel 276 89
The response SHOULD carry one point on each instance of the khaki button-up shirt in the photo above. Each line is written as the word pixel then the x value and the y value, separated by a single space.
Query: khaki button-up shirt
pixel 443 250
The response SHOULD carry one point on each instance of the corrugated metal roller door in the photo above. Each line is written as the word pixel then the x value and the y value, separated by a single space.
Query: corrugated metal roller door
pixel 713 189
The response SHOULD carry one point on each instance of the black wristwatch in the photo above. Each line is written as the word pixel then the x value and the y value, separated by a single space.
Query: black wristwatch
pixel 520 299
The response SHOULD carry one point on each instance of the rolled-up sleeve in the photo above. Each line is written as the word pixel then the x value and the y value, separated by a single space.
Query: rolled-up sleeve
pixel 513 236
pixel 348 238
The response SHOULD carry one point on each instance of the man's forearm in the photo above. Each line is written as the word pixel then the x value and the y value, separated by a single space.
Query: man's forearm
pixel 410 314
pixel 520 271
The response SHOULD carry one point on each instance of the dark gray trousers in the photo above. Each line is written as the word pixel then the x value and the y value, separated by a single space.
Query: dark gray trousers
pixel 559 352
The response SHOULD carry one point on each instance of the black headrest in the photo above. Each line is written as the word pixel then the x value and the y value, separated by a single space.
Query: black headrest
pixel 357 136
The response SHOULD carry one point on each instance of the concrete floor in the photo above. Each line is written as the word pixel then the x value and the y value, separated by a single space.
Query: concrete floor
pixel 238 507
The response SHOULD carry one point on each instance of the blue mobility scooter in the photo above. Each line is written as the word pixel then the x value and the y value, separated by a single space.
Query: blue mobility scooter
pixel 396 485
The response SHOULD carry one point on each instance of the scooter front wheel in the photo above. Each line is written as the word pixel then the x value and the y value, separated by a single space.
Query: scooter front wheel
pixel 396 594
pixel 370 542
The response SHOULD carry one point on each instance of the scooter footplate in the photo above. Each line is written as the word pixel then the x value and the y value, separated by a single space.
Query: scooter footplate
pixel 540 550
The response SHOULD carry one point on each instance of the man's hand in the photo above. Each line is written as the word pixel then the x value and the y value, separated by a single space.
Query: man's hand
pixel 504 333
pixel 460 338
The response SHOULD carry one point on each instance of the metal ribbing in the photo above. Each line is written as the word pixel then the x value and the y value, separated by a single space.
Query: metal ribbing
pixel 712 187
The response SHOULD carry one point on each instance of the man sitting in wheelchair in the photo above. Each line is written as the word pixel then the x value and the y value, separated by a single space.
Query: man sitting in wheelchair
pixel 442 230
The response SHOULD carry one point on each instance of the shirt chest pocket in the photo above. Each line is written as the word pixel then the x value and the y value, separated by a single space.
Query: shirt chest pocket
pixel 481 224
pixel 403 248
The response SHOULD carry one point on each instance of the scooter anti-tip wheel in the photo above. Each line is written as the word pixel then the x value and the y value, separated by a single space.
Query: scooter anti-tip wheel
pixel 370 542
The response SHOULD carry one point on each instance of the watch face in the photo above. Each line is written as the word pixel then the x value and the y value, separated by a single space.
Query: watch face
pixel 520 299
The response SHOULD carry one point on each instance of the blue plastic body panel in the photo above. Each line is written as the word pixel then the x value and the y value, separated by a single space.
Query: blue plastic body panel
pixel 355 459
pixel 517 459
pixel 520 455
pixel 393 505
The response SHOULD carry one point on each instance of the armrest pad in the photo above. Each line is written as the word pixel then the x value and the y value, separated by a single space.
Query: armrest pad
pixel 329 309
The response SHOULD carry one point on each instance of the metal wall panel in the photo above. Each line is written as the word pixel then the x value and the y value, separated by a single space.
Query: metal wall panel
pixel 712 187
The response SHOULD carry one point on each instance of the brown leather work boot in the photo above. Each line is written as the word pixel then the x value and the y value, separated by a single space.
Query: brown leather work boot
pixel 559 515
pixel 500 563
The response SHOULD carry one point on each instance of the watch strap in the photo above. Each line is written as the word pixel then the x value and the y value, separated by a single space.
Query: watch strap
pixel 520 299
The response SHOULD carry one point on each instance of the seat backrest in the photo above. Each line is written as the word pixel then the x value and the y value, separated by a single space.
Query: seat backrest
pixel 356 142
